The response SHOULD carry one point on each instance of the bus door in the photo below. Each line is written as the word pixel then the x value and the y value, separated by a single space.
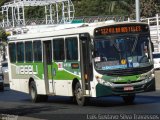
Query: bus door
pixel 47 58
pixel 85 62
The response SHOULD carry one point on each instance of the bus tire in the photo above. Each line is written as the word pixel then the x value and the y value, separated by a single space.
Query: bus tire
pixel 33 92
pixel 80 99
pixel 2 88
pixel 129 99
pixel 43 98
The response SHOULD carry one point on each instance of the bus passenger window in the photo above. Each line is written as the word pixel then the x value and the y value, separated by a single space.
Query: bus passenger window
pixel 28 52
pixel 20 52
pixel 12 52
pixel 58 49
pixel 72 48
pixel 37 51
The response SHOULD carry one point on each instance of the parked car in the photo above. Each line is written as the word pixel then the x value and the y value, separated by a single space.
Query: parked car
pixel 156 60
pixel 1 82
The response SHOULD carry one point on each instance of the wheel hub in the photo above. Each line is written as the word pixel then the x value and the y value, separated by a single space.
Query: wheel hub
pixel 79 93
pixel 33 93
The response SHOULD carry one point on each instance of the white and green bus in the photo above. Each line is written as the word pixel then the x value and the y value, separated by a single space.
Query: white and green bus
pixel 82 60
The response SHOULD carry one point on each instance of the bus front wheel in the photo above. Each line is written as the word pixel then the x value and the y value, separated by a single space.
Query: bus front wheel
pixel 129 99
pixel 33 92
pixel 80 99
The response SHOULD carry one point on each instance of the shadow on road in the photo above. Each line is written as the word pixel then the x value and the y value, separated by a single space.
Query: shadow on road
pixel 22 110
pixel 111 101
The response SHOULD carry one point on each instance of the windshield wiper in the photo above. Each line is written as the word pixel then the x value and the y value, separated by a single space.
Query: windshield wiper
pixel 117 48
pixel 134 45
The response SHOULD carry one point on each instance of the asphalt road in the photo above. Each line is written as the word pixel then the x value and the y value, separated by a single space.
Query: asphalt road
pixel 17 105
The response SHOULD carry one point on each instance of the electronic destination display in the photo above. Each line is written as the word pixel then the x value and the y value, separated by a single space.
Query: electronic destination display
pixel 121 29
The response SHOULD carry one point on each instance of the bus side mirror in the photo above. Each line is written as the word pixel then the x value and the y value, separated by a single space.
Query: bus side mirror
pixel 92 47
pixel 95 54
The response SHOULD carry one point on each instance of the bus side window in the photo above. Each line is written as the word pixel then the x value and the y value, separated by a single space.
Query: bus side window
pixel 37 49
pixel 20 52
pixel 58 49
pixel 12 52
pixel 28 51
pixel 71 48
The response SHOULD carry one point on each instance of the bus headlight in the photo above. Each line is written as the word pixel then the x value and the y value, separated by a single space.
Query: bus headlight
pixel 149 78
pixel 103 82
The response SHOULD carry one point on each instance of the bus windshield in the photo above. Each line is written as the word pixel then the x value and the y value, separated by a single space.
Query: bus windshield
pixel 121 52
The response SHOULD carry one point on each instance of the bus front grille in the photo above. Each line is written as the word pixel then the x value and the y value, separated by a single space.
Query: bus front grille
pixel 129 72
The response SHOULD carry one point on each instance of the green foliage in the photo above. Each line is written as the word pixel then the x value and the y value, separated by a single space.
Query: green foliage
pixel 115 7
pixel 149 8
pixel 3 1
pixel 3 36
pixel 3 43
pixel 102 7
pixel 34 12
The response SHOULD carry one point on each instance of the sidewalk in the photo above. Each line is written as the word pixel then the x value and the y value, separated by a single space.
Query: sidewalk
pixel 6 80
pixel 157 76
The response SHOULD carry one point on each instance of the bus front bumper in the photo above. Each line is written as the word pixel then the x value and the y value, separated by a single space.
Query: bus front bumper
pixel 119 89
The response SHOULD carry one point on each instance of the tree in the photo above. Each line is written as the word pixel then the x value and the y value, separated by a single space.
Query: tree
pixel 102 7
pixel 120 7
pixel 3 43
pixel 3 35
pixel 149 8
pixel 89 7
pixel 34 12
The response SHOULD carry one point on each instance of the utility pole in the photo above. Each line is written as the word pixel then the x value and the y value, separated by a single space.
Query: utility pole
pixel 137 10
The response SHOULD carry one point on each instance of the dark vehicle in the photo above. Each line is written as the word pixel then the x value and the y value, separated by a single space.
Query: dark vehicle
pixel 1 83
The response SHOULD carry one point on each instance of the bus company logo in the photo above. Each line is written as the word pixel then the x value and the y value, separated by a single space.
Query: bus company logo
pixel 123 61
pixel 26 69
pixel 129 81
pixel 116 79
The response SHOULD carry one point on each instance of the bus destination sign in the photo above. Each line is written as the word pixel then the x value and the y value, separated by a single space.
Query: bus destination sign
pixel 120 29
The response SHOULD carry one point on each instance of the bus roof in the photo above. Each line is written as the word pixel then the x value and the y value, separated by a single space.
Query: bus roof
pixel 42 31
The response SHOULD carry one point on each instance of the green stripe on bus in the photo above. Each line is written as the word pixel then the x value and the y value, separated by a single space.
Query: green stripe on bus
pixel 66 74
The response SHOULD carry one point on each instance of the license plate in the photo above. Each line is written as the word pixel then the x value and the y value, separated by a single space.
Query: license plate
pixel 129 88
